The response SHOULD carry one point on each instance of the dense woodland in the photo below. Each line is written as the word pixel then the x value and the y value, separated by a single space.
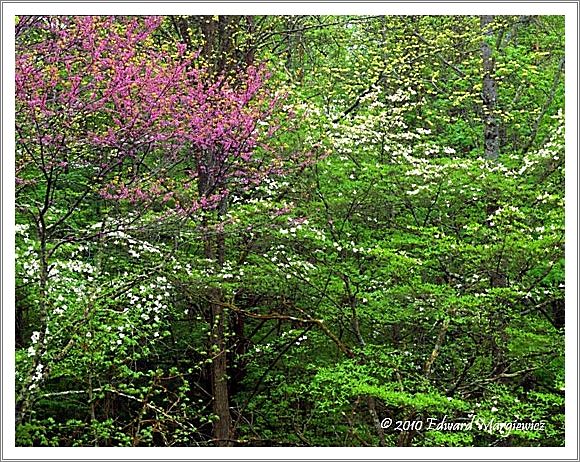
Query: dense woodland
pixel 287 230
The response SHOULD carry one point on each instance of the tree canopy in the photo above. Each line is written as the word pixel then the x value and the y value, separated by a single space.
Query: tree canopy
pixel 290 230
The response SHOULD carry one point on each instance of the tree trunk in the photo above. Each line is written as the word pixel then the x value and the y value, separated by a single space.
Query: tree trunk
pixel 489 93
pixel 221 54
pixel 19 324
pixel 219 379
pixel 222 431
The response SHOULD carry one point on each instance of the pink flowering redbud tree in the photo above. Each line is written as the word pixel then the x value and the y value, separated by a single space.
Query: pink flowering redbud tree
pixel 107 119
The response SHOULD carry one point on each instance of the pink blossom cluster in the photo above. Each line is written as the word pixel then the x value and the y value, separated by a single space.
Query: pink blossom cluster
pixel 101 89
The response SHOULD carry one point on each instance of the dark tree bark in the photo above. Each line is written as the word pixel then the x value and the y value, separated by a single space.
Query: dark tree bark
pixel 218 40
pixel 214 248
pixel 489 93
pixel 19 324
pixel 219 380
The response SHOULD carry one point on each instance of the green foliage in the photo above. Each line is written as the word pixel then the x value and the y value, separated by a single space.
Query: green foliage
pixel 401 276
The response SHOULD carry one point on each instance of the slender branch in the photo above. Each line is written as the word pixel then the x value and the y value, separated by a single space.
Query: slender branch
pixel 427 368
pixel 546 106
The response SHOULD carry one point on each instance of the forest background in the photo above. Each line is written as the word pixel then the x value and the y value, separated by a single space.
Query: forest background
pixel 281 230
